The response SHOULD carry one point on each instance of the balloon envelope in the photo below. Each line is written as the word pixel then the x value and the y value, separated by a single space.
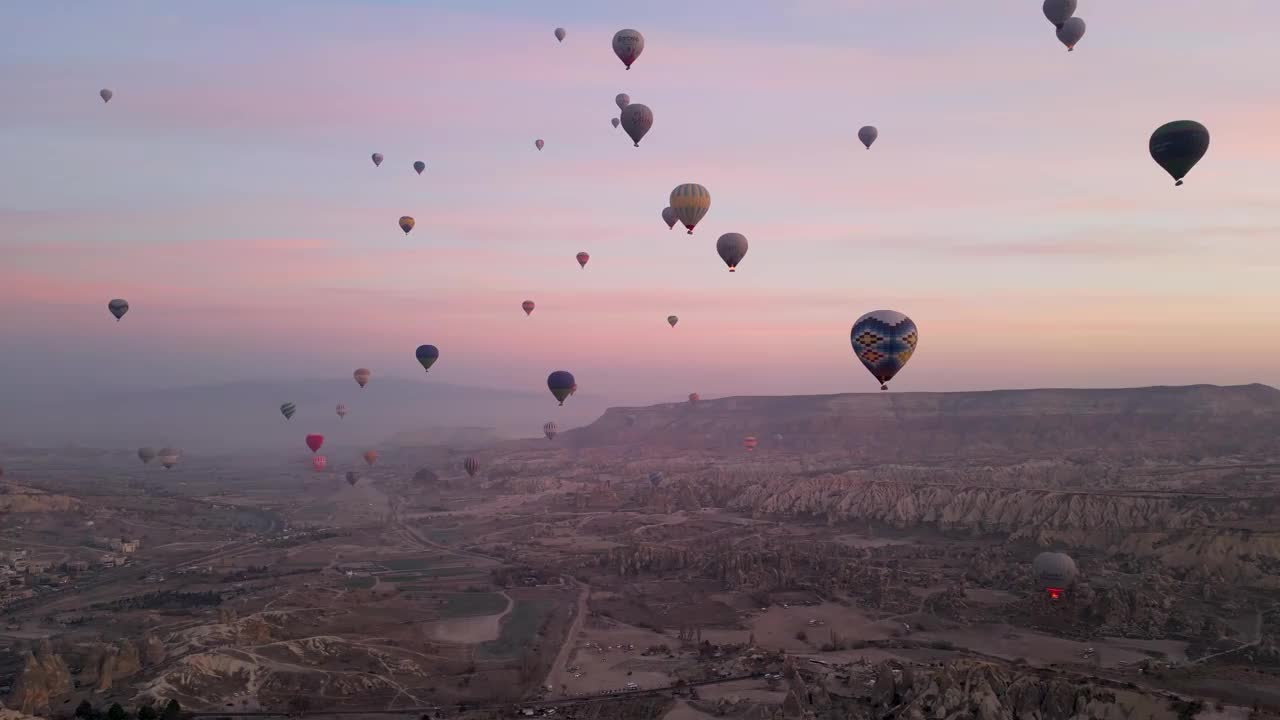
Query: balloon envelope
pixel 749 442
pixel 353 477
pixel 691 202
pixel 582 259
pixel 1070 32
pixel 314 441
pixel 561 384
pixel 550 429
pixel 732 248
pixel 425 476
pixel 622 100
pixel 169 457
pixel 672 320
pixel 118 308
pixel 471 465
pixel 669 216
pixel 560 34
pixel 1059 11
pixel 538 143
pixel 884 341
pixel 377 159
pixel 1178 146
pixel 1054 572
pixel 868 134
pixel 341 410
pixel 288 409
pixel 527 305
pixel 406 224
pixel 146 454
pixel 362 376
pixel 105 94
pixel 616 122
pixel 419 166
pixel 371 457
pixel 627 45
pixel 319 462
pixel 427 355
pixel 694 398
pixel 637 119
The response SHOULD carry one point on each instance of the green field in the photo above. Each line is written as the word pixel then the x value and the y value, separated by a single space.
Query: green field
pixel 470 604
pixel 361 583
pixel 418 563
pixel 519 628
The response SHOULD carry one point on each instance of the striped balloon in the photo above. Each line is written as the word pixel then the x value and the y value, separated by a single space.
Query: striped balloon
pixel 288 409
pixel 691 202
pixel 319 462
pixel 750 442
pixel 342 410
pixel 551 430
pixel 471 465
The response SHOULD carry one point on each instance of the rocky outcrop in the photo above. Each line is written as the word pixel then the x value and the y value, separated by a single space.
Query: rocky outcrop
pixel 115 662
pixel 42 683
pixel 153 651
pixel 984 692
pixel 19 499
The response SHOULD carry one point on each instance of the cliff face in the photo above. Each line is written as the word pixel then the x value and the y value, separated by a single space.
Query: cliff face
pixel 19 499
pixel 43 682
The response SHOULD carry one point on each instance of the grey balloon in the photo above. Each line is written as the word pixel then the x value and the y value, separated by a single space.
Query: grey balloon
pixel 669 216
pixel 616 122
pixel 560 34
pixel 1054 569
pixel 377 159
pixel 118 307
pixel 627 45
pixel 1071 32
pixel 105 94
pixel 636 120
pixel 732 248
pixel 623 100
pixel 1059 11
pixel 868 135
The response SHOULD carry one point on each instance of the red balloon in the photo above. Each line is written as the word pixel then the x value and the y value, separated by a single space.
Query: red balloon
pixel 314 442
pixel 694 398
pixel 371 457
pixel 528 307
pixel 319 462
pixel 750 442
pixel 582 259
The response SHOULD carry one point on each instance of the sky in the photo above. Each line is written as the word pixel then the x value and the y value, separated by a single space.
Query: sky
pixel 1009 205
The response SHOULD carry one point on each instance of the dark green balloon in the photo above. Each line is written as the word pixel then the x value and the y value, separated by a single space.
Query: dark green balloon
pixel 1178 146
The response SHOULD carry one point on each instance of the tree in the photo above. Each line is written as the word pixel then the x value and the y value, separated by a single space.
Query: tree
pixel 115 712
pixel 146 712
pixel 172 711
pixel 84 710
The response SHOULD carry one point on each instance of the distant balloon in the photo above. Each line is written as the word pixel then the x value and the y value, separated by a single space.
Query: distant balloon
pixel 169 457
pixel 627 45
pixel 732 248
pixel 560 34
pixel 749 442
pixel 655 479
pixel 1070 32
pixel 314 441
pixel 319 462
pixel 371 457
pixel 288 409
pixel 582 260
pixel 1178 146
pixel 1054 573
pixel 622 100
pixel 427 355
pixel 694 398
pixel 527 306
pixel 637 119
pixel 471 465
pixel 341 410
pixel 616 122
pixel 362 376
pixel 672 320
pixel 1059 11
pixel 377 159
pixel 106 95
pixel 353 477
pixel 691 202
pixel 669 216
pixel 406 224
pixel 538 143
pixel 118 308
pixel 550 429
pixel 777 437
pixel 419 166
pixel 561 384
pixel 884 341
pixel 146 454
pixel 425 476
pixel 868 134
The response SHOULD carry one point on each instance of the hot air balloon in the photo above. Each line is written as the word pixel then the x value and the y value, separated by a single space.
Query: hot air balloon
pixel 527 306
pixel 471 465
pixel 169 457
pixel 627 45
pixel 427 356
pixel 406 224
pixel 425 476
pixel 118 308
pixel 1054 573
pixel 691 202
pixel 538 143
pixel 105 94
pixel 550 429
pixel 631 420
pixel 669 216
pixel 371 457
pixel 749 442
pixel 377 159
pixel 561 384
pixel 616 122
pixel 314 441
pixel 694 398
pixel 868 134
pixel 732 248
pixel 1178 146
pixel 146 454
pixel 419 166
pixel 560 34
pixel 341 410
pixel 1059 11
pixel 1070 32
pixel 777 437
pixel 319 462
pixel 288 409
pixel 582 260
pixel 655 478
pixel 353 477
pixel 672 320
pixel 622 100
pixel 636 120
pixel 362 376
pixel 884 341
